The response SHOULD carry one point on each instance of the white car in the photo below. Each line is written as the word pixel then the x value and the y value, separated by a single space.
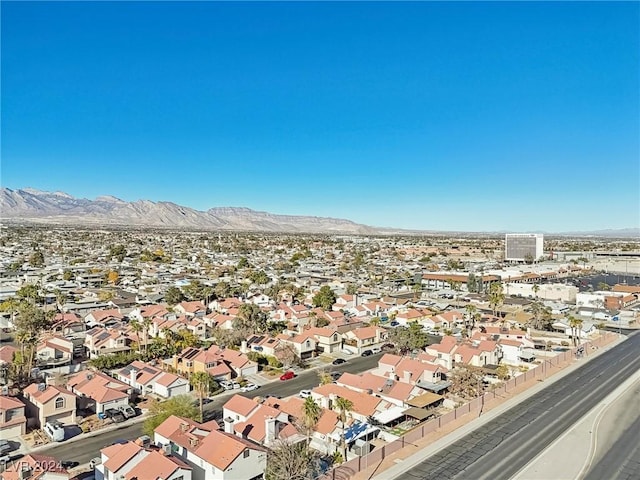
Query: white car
pixel 304 393
pixel 226 385
pixel 236 385
pixel 249 387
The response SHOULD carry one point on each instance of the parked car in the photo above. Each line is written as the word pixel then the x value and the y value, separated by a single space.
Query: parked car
pixel 235 385
pixel 394 323
pixel 335 375
pixel 287 375
pixel 304 393
pixel 249 387
pixel 338 361
pixel 69 464
pixel 127 411
pixel 375 350
pixel 227 385
pixel 115 415
pixel 367 353
pixel 4 447
pixel 94 462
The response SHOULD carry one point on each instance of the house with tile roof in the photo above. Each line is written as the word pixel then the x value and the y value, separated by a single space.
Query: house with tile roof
pixel 148 379
pixel 132 461
pixel 47 403
pixel 102 341
pixel 98 392
pixel 211 453
pixel 13 421
pixel 191 309
pixel 35 467
pixel 220 363
pixel 363 338
pixel 259 423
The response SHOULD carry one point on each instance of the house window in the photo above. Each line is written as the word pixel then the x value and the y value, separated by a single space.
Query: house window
pixel 59 402
pixel 246 453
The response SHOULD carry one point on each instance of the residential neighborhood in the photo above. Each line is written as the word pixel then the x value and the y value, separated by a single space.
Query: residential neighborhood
pixel 100 333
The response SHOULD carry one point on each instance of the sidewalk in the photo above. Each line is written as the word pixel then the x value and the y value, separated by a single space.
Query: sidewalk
pixel 398 462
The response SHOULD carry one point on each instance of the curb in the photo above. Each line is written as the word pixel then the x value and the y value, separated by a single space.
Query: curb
pixel 82 436
pixel 402 465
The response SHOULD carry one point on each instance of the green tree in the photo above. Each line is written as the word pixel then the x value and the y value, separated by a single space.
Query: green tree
pixel 259 277
pixel 30 323
pixel 536 289
pixel 67 275
pixel 174 295
pixel 407 339
pixel 37 259
pixel 30 293
pixel 202 383
pixel 496 297
pixel 117 251
pixel 251 317
pixel 222 289
pixel 344 406
pixel 325 298
pixel 243 263
pixel 352 289
pixel 310 415
pixel 180 406
pixel 136 327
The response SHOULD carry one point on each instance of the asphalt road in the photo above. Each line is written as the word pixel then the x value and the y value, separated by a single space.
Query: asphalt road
pixel 501 447
pixel 622 461
pixel 84 450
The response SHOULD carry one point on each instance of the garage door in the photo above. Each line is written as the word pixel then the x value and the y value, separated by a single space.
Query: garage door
pixel 11 432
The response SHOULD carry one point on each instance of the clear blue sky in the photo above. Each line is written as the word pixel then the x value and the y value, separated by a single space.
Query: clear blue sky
pixel 465 116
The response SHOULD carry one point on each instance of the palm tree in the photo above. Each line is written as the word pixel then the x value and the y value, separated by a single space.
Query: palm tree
pixel 201 383
pixel 374 322
pixel 137 328
pixel 496 296
pixel 471 311
pixel 536 289
pixel 146 323
pixel 344 406
pixel 310 415
pixel 574 324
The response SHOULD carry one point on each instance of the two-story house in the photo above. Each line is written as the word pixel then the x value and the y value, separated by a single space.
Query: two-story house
pixel 211 453
pixel 47 403
pixel 13 421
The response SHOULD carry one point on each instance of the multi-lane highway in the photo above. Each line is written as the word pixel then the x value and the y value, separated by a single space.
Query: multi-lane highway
pixel 501 447
pixel 84 450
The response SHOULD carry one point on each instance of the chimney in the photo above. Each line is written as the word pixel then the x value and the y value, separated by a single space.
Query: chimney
pixel 243 346
pixel 228 425
pixel 355 299
pixel 184 426
pixel 406 376
pixel 166 449
pixel 332 400
pixel 269 430
pixel 133 374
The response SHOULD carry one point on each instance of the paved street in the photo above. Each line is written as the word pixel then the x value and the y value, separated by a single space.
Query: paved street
pixel 501 447
pixel 622 460
pixel 84 450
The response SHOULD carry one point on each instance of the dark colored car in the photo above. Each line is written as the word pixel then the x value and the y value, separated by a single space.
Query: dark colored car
pixel 287 375
pixel 69 464
pixel 367 353
pixel 114 415
pixel 338 361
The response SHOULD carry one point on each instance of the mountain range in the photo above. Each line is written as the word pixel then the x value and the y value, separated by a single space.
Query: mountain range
pixel 59 207
pixel 30 205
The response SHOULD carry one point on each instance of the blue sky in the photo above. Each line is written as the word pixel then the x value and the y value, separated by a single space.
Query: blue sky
pixel 461 116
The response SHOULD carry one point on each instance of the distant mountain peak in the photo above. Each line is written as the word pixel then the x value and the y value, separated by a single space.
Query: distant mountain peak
pixel 59 207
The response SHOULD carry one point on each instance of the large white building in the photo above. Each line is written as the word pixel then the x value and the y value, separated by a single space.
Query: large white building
pixel 520 247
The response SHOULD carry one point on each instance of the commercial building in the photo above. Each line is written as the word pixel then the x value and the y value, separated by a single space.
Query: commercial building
pixel 522 247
